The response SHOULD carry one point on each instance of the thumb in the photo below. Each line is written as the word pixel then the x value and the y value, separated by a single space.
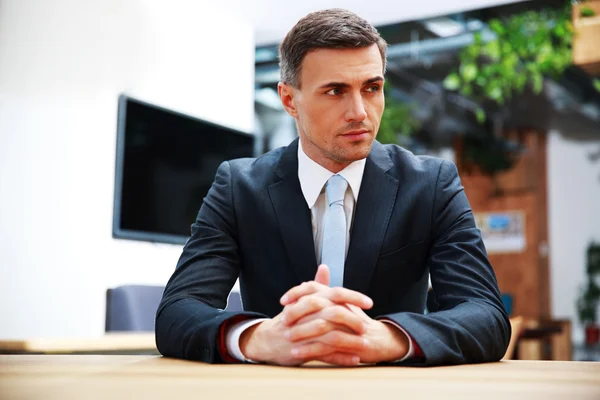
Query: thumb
pixel 322 275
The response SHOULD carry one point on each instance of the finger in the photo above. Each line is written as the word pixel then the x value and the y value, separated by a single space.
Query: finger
pixel 311 317
pixel 358 312
pixel 344 342
pixel 316 327
pixel 345 296
pixel 322 275
pixel 341 359
pixel 337 295
pixel 343 320
pixel 338 318
pixel 331 342
pixel 343 316
pixel 303 289
pixel 311 351
pixel 305 306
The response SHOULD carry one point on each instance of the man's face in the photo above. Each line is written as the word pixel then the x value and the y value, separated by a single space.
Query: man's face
pixel 339 104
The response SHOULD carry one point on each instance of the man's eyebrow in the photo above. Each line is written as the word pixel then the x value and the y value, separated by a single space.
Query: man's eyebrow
pixel 345 85
pixel 373 80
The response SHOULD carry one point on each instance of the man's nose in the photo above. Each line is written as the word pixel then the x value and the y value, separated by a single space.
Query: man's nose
pixel 356 109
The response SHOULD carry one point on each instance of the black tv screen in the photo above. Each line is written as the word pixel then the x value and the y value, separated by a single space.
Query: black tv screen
pixel 165 165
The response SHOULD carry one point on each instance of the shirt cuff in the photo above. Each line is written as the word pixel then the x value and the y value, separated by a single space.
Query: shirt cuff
pixel 412 347
pixel 232 338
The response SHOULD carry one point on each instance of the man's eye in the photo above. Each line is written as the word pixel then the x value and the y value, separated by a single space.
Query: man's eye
pixel 334 92
pixel 374 88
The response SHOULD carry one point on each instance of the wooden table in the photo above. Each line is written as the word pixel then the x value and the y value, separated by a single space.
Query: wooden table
pixel 51 377
pixel 111 343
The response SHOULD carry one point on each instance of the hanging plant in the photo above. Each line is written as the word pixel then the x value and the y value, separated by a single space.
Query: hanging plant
pixel 526 47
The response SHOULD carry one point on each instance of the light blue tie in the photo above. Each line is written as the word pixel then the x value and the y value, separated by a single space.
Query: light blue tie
pixel 333 251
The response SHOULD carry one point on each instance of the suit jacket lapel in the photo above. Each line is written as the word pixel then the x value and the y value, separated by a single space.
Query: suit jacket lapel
pixel 371 217
pixel 293 215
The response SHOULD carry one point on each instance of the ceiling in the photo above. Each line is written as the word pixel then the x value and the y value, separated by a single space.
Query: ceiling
pixel 273 18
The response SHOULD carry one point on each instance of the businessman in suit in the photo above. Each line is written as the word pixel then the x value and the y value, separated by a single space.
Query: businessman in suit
pixel 334 237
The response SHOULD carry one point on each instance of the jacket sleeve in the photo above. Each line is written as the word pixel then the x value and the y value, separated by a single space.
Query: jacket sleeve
pixel 190 318
pixel 471 324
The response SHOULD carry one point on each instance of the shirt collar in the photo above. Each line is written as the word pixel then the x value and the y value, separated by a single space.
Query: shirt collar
pixel 313 176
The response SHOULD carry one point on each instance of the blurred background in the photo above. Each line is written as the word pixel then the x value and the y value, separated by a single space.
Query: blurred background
pixel 114 116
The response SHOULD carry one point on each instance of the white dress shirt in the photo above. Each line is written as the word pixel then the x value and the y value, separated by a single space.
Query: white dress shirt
pixel 313 178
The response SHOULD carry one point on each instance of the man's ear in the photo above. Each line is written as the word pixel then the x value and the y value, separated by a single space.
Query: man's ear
pixel 287 95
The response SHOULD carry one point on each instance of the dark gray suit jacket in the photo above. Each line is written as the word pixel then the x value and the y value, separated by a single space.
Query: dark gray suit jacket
pixel 411 218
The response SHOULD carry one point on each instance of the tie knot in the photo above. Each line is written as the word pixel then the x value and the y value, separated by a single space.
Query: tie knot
pixel 335 189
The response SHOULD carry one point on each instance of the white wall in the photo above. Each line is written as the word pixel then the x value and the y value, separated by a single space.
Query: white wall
pixel 62 65
pixel 574 214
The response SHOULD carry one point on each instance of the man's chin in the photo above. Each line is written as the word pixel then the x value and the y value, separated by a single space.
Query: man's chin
pixel 359 152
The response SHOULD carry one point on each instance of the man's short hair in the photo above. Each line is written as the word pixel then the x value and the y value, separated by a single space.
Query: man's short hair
pixel 327 29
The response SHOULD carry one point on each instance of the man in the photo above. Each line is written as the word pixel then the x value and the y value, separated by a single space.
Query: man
pixel 377 219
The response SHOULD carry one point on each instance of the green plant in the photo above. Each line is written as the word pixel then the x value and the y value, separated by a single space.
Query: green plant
pixel 589 299
pixel 587 12
pixel 526 47
pixel 397 119
pixel 596 84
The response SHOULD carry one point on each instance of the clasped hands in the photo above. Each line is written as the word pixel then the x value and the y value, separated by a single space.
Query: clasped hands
pixel 320 323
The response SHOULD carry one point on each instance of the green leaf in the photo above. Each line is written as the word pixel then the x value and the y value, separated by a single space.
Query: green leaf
pixel 487 71
pixel 596 84
pixel 560 30
pixel 470 53
pixel 569 26
pixel 497 27
pixel 452 81
pixel 477 38
pixel 492 50
pixel 480 115
pixel 510 62
pixel 520 81
pixel 468 72
pixel 495 93
pixel 531 67
pixel 506 47
pixel 466 90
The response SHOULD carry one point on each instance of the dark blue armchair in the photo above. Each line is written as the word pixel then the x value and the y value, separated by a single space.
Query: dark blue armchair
pixel 133 307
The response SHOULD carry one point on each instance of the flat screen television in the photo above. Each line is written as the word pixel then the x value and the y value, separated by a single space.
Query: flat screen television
pixel 165 165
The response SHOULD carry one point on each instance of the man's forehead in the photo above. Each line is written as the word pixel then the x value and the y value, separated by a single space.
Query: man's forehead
pixel 344 65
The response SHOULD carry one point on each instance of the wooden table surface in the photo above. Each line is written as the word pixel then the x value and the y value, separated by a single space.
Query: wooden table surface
pixel 133 342
pixel 51 377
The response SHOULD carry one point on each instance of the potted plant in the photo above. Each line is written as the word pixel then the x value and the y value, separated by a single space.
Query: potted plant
pixel 586 22
pixel 589 299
